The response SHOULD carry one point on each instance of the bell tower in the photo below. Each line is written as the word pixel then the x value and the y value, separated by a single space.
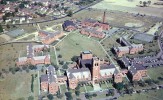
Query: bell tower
pixel 95 69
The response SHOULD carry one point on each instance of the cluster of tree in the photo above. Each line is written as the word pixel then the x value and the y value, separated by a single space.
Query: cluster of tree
pixel 1 28
pixel 145 3
pixel 119 86
pixel 32 80
pixel 65 66
pixel 59 56
pixel 110 93
pixel 59 95
pixel 69 13
pixel 69 95
pixel 85 2
pixel 89 95
pixel 160 78
pixel 74 58
pixel 50 97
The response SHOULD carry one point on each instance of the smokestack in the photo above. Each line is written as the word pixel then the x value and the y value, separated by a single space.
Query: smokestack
pixel 103 20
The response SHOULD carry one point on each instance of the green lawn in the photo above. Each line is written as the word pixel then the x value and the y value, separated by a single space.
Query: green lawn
pixel 52 56
pixel 89 88
pixel 104 86
pixel 63 88
pixel 154 73
pixel 82 89
pixel 151 95
pixel 74 43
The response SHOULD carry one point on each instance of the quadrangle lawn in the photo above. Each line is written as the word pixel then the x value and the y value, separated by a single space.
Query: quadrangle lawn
pixel 74 43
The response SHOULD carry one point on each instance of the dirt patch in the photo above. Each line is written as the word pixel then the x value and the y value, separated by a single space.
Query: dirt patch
pixel 133 24
pixel 4 38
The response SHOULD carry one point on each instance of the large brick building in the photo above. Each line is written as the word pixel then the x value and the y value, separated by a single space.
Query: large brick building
pixel 88 27
pixel 135 70
pixel 31 58
pixel 127 48
pixel 91 70
pixel 49 37
pixel 50 81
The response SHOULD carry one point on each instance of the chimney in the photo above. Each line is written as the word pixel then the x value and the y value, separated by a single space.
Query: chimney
pixel 103 20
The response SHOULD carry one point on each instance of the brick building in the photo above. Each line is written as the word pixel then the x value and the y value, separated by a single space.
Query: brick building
pixel 92 70
pixel 127 48
pixel 136 72
pixel 31 58
pixel 50 81
pixel 69 25
pixel 49 37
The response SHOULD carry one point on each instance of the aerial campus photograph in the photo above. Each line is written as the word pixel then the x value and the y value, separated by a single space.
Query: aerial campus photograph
pixel 81 49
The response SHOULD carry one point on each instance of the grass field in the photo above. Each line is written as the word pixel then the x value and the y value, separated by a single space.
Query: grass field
pixel 74 43
pixel 152 95
pixel 9 54
pixel 154 73
pixel 18 86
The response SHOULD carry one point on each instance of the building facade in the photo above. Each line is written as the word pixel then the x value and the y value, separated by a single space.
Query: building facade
pixel 31 58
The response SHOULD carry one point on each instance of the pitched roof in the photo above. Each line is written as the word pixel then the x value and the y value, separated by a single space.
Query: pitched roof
pixel 44 78
pixel 68 23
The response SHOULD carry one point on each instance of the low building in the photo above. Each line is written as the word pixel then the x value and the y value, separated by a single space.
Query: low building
pixel 49 37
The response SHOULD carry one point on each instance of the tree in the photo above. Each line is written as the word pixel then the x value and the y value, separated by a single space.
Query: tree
pixel 50 96
pixel 119 86
pixel 140 2
pixel 144 3
pixel 69 95
pixel 149 2
pixel 21 6
pixel 59 56
pixel 1 29
pixel 8 26
pixel 65 66
pixel 69 13
pixel 30 98
pixel 77 92
pixel 74 58
pixel 16 9
pixel 94 94
pixel 4 18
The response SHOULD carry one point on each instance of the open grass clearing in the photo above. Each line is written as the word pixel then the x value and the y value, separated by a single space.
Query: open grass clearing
pixel 154 73
pixel 18 86
pixel 151 95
